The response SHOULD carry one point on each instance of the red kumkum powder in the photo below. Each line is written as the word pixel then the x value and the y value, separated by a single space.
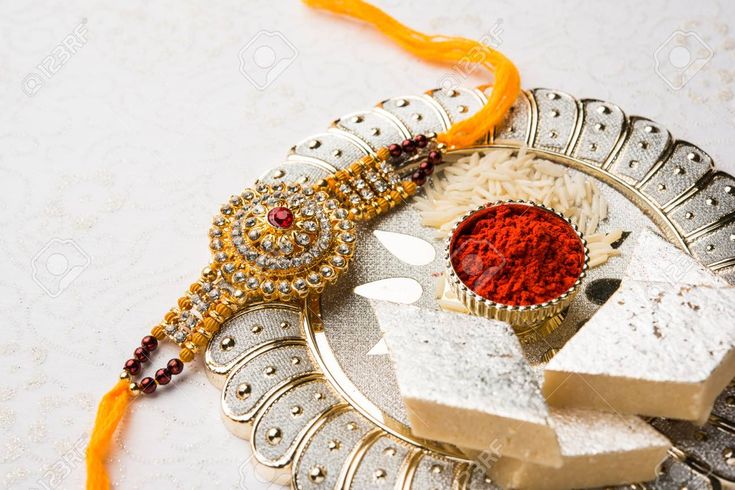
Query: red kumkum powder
pixel 517 255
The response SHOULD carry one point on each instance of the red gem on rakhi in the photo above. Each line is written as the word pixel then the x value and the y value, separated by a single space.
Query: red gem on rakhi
pixel 280 217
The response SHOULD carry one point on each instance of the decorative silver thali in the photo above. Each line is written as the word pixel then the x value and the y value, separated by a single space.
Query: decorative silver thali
pixel 317 397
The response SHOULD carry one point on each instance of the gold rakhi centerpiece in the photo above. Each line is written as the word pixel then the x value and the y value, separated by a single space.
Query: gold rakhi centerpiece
pixel 282 241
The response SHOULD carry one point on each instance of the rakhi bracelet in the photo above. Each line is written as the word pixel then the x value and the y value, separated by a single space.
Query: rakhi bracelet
pixel 280 242
pixel 310 228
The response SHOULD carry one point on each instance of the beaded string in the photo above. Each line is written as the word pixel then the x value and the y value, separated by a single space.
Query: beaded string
pixel 425 150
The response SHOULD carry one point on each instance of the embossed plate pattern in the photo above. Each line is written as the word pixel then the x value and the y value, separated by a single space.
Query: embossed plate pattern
pixel 332 418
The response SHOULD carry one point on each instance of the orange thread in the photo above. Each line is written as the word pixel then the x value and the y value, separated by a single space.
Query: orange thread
pixel 444 49
pixel 109 413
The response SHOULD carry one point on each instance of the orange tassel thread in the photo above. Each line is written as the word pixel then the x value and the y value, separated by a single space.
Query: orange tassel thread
pixel 444 49
pixel 111 409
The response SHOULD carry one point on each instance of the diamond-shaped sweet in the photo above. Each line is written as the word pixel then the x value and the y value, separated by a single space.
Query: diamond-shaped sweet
pixel 464 380
pixel 598 449
pixel 658 346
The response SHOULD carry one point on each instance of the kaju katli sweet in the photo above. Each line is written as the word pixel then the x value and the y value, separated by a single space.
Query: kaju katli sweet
pixel 287 242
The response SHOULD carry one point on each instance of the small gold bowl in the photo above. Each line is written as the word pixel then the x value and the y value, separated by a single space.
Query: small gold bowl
pixel 529 321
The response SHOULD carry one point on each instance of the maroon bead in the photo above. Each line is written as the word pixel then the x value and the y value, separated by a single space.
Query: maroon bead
pixel 419 177
pixel 132 366
pixel 427 167
pixel 395 150
pixel 434 157
pixel 147 385
pixel 163 376
pixel 141 354
pixel 408 146
pixel 175 366
pixel 149 343
pixel 421 140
